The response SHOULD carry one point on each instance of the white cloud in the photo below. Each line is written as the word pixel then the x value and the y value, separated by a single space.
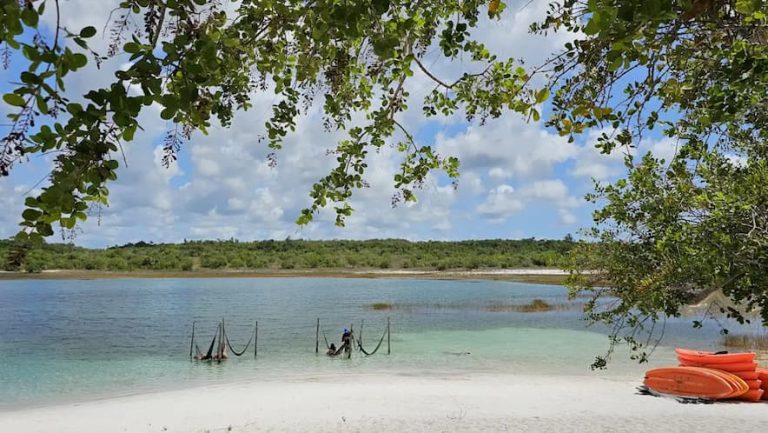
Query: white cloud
pixel 567 217
pixel 664 148
pixel 552 190
pixel 504 200
pixel 501 202
pixel 506 148
pixel 590 163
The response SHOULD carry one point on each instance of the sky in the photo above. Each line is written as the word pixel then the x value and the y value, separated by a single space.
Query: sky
pixel 518 179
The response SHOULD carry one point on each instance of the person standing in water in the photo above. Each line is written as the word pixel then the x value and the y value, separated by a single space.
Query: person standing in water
pixel 346 342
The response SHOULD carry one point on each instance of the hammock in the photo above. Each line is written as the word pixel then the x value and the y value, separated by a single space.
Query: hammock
pixel 234 352
pixel 360 345
pixel 208 355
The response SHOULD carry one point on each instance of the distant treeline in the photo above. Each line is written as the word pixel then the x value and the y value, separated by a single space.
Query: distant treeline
pixel 290 254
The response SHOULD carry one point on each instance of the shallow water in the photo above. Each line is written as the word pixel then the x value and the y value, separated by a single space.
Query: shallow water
pixel 75 340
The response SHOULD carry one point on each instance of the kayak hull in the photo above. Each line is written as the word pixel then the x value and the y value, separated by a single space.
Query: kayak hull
pixel 689 382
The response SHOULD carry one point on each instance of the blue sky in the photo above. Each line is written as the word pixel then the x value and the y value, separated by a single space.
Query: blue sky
pixel 518 179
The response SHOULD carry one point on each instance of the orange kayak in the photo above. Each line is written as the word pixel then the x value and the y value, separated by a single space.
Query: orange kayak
pixel 751 395
pixel 699 357
pixel 689 382
pixel 762 374
pixel 731 368
pixel 746 375
pixel 739 385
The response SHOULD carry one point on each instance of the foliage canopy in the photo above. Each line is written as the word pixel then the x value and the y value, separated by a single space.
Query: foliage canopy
pixel 697 71
pixel 200 63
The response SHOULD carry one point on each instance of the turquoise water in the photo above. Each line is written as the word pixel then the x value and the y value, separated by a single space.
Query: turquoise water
pixel 79 340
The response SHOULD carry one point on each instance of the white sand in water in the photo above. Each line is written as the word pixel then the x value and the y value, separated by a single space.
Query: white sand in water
pixel 390 403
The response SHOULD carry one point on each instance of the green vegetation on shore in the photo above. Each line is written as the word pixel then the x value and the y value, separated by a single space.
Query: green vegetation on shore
pixel 291 255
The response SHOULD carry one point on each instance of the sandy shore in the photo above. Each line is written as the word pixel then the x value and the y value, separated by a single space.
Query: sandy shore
pixel 389 403
pixel 532 275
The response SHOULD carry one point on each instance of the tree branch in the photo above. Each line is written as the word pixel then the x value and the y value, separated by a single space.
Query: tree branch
pixel 429 74
pixel 156 34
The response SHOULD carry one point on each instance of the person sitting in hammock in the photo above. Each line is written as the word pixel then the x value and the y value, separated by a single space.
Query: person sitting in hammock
pixel 221 355
pixel 331 350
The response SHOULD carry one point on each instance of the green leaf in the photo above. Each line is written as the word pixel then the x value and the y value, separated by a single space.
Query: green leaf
pixel 616 64
pixel 167 113
pixel 78 61
pixel 68 222
pixel 14 99
pixel 88 32
pixel 231 42
pixel 31 214
pixel 29 17
pixel 747 7
pixel 380 6
pixel 74 108
pixel 29 78
pixel 542 95
pixel 592 27
pixel 131 48
pixel 42 105
pixel 129 132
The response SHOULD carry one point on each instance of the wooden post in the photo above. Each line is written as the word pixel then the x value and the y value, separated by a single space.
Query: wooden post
pixel 350 347
pixel 317 337
pixel 388 334
pixel 256 340
pixel 222 342
pixel 192 342
pixel 360 340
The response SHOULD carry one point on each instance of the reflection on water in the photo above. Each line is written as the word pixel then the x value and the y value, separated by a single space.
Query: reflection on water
pixel 63 340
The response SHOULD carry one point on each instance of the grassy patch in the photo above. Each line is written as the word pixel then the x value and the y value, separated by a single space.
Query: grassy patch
pixel 757 342
pixel 535 306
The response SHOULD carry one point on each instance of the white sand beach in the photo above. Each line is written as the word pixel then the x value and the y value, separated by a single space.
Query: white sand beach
pixel 396 403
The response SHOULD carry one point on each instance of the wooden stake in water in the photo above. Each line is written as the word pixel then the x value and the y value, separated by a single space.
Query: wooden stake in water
pixel 221 342
pixel 360 340
pixel 349 344
pixel 317 337
pixel 256 340
pixel 388 333
pixel 192 342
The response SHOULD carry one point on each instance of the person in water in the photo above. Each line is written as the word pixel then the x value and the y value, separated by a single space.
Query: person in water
pixel 331 350
pixel 221 355
pixel 346 341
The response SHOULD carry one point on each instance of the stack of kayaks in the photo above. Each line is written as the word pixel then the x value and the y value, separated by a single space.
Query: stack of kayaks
pixel 762 374
pixel 712 376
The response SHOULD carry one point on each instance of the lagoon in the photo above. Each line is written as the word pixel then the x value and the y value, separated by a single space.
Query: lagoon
pixel 77 340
